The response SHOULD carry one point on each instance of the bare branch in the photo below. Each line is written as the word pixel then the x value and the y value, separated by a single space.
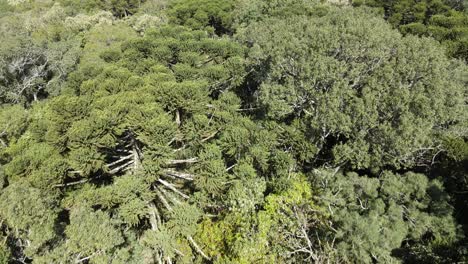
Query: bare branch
pixel 172 188
pixel 230 167
pixel 72 183
pixel 180 175
pixel 177 117
pixel 154 216
pixel 162 199
pixel 197 248
pixel 119 160
pixel 115 170
pixel 212 135
pixel 170 196
pixel 183 161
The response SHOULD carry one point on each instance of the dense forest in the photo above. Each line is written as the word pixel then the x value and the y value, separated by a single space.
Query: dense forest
pixel 233 131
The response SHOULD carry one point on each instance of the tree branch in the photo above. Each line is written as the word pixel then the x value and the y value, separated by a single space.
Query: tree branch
pixel 115 170
pixel 210 136
pixel 119 160
pixel 197 248
pixel 72 183
pixel 154 216
pixel 162 199
pixel 183 161
pixel 172 188
pixel 180 175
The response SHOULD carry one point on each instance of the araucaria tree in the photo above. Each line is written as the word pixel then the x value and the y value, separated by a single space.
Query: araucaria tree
pixel 233 131
pixel 123 139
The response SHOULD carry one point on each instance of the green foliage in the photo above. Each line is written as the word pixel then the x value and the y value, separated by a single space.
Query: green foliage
pixel 376 97
pixel 195 131
pixel 90 235
pixel 30 213
pixel 278 232
pixel 374 216
pixel 127 197
pixel 434 18
pixel 91 232
pixel 254 11
pixel 14 120
pixel 119 8
pixel 289 220
pixel 4 254
pixel 215 16
pixel 112 135
pixel 102 40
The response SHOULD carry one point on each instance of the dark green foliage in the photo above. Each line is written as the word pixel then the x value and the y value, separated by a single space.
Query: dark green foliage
pixel 375 216
pixel 370 96
pixel 213 15
pixel 120 8
pixel 4 254
pixel 14 120
pixel 30 214
pixel 255 11
pixel 443 20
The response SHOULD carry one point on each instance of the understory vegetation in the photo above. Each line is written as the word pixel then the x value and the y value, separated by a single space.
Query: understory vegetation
pixel 233 131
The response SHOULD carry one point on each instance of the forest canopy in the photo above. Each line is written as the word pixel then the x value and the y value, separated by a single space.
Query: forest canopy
pixel 233 131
